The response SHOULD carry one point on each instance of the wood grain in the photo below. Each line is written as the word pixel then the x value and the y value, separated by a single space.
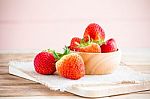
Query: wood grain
pixel 100 63
pixel 12 86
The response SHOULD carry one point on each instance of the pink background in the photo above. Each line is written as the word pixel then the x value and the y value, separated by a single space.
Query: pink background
pixel 40 24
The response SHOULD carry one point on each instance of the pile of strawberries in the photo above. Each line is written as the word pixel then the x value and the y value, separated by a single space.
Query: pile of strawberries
pixel 71 65
pixel 93 41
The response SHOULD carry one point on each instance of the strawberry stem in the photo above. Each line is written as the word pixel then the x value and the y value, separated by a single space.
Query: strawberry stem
pixel 66 50
pixel 89 40
pixel 77 43
pixel 57 55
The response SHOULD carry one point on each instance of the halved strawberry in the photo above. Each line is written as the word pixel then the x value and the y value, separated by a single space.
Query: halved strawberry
pixel 109 46
pixel 95 32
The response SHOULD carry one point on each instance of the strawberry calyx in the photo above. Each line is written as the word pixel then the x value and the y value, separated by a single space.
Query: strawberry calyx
pixel 58 55
pixel 84 43
pixel 99 42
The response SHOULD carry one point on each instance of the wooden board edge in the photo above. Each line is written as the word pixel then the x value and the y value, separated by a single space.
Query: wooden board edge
pixel 123 89
pixel 80 91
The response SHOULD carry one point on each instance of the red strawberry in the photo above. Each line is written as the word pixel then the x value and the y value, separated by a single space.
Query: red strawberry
pixel 44 63
pixel 95 32
pixel 71 66
pixel 91 48
pixel 74 43
pixel 109 46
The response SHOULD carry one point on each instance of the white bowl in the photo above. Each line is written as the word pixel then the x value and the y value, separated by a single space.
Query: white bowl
pixel 101 63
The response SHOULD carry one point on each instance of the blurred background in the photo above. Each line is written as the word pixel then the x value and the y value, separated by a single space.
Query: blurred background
pixel 41 24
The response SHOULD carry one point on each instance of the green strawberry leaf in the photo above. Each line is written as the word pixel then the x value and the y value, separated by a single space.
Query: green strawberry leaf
pixel 66 50
pixel 57 55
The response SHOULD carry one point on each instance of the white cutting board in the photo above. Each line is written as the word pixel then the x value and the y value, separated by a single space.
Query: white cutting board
pixel 122 81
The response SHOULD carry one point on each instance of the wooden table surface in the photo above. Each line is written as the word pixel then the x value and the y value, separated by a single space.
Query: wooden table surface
pixel 12 87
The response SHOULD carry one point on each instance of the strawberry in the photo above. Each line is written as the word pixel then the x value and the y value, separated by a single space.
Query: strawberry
pixel 44 63
pixel 74 43
pixel 109 46
pixel 95 32
pixel 71 66
pixel 91 48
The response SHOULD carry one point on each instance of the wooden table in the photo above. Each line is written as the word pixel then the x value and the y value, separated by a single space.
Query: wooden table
pixel 12 87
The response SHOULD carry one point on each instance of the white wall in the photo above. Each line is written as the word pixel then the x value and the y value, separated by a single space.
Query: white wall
pixel 40 24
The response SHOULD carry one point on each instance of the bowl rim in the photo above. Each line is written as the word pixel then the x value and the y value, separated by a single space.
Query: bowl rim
pixel 118 51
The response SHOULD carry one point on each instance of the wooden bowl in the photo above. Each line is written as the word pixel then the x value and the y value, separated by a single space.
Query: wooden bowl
pixel 101 63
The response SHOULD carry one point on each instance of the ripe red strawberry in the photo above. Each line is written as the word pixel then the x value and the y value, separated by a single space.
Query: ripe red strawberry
pixel 44 63
pixel 95 32
pixel 109 46
pixel 74 43
pixel 71 66
pixel 91 48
